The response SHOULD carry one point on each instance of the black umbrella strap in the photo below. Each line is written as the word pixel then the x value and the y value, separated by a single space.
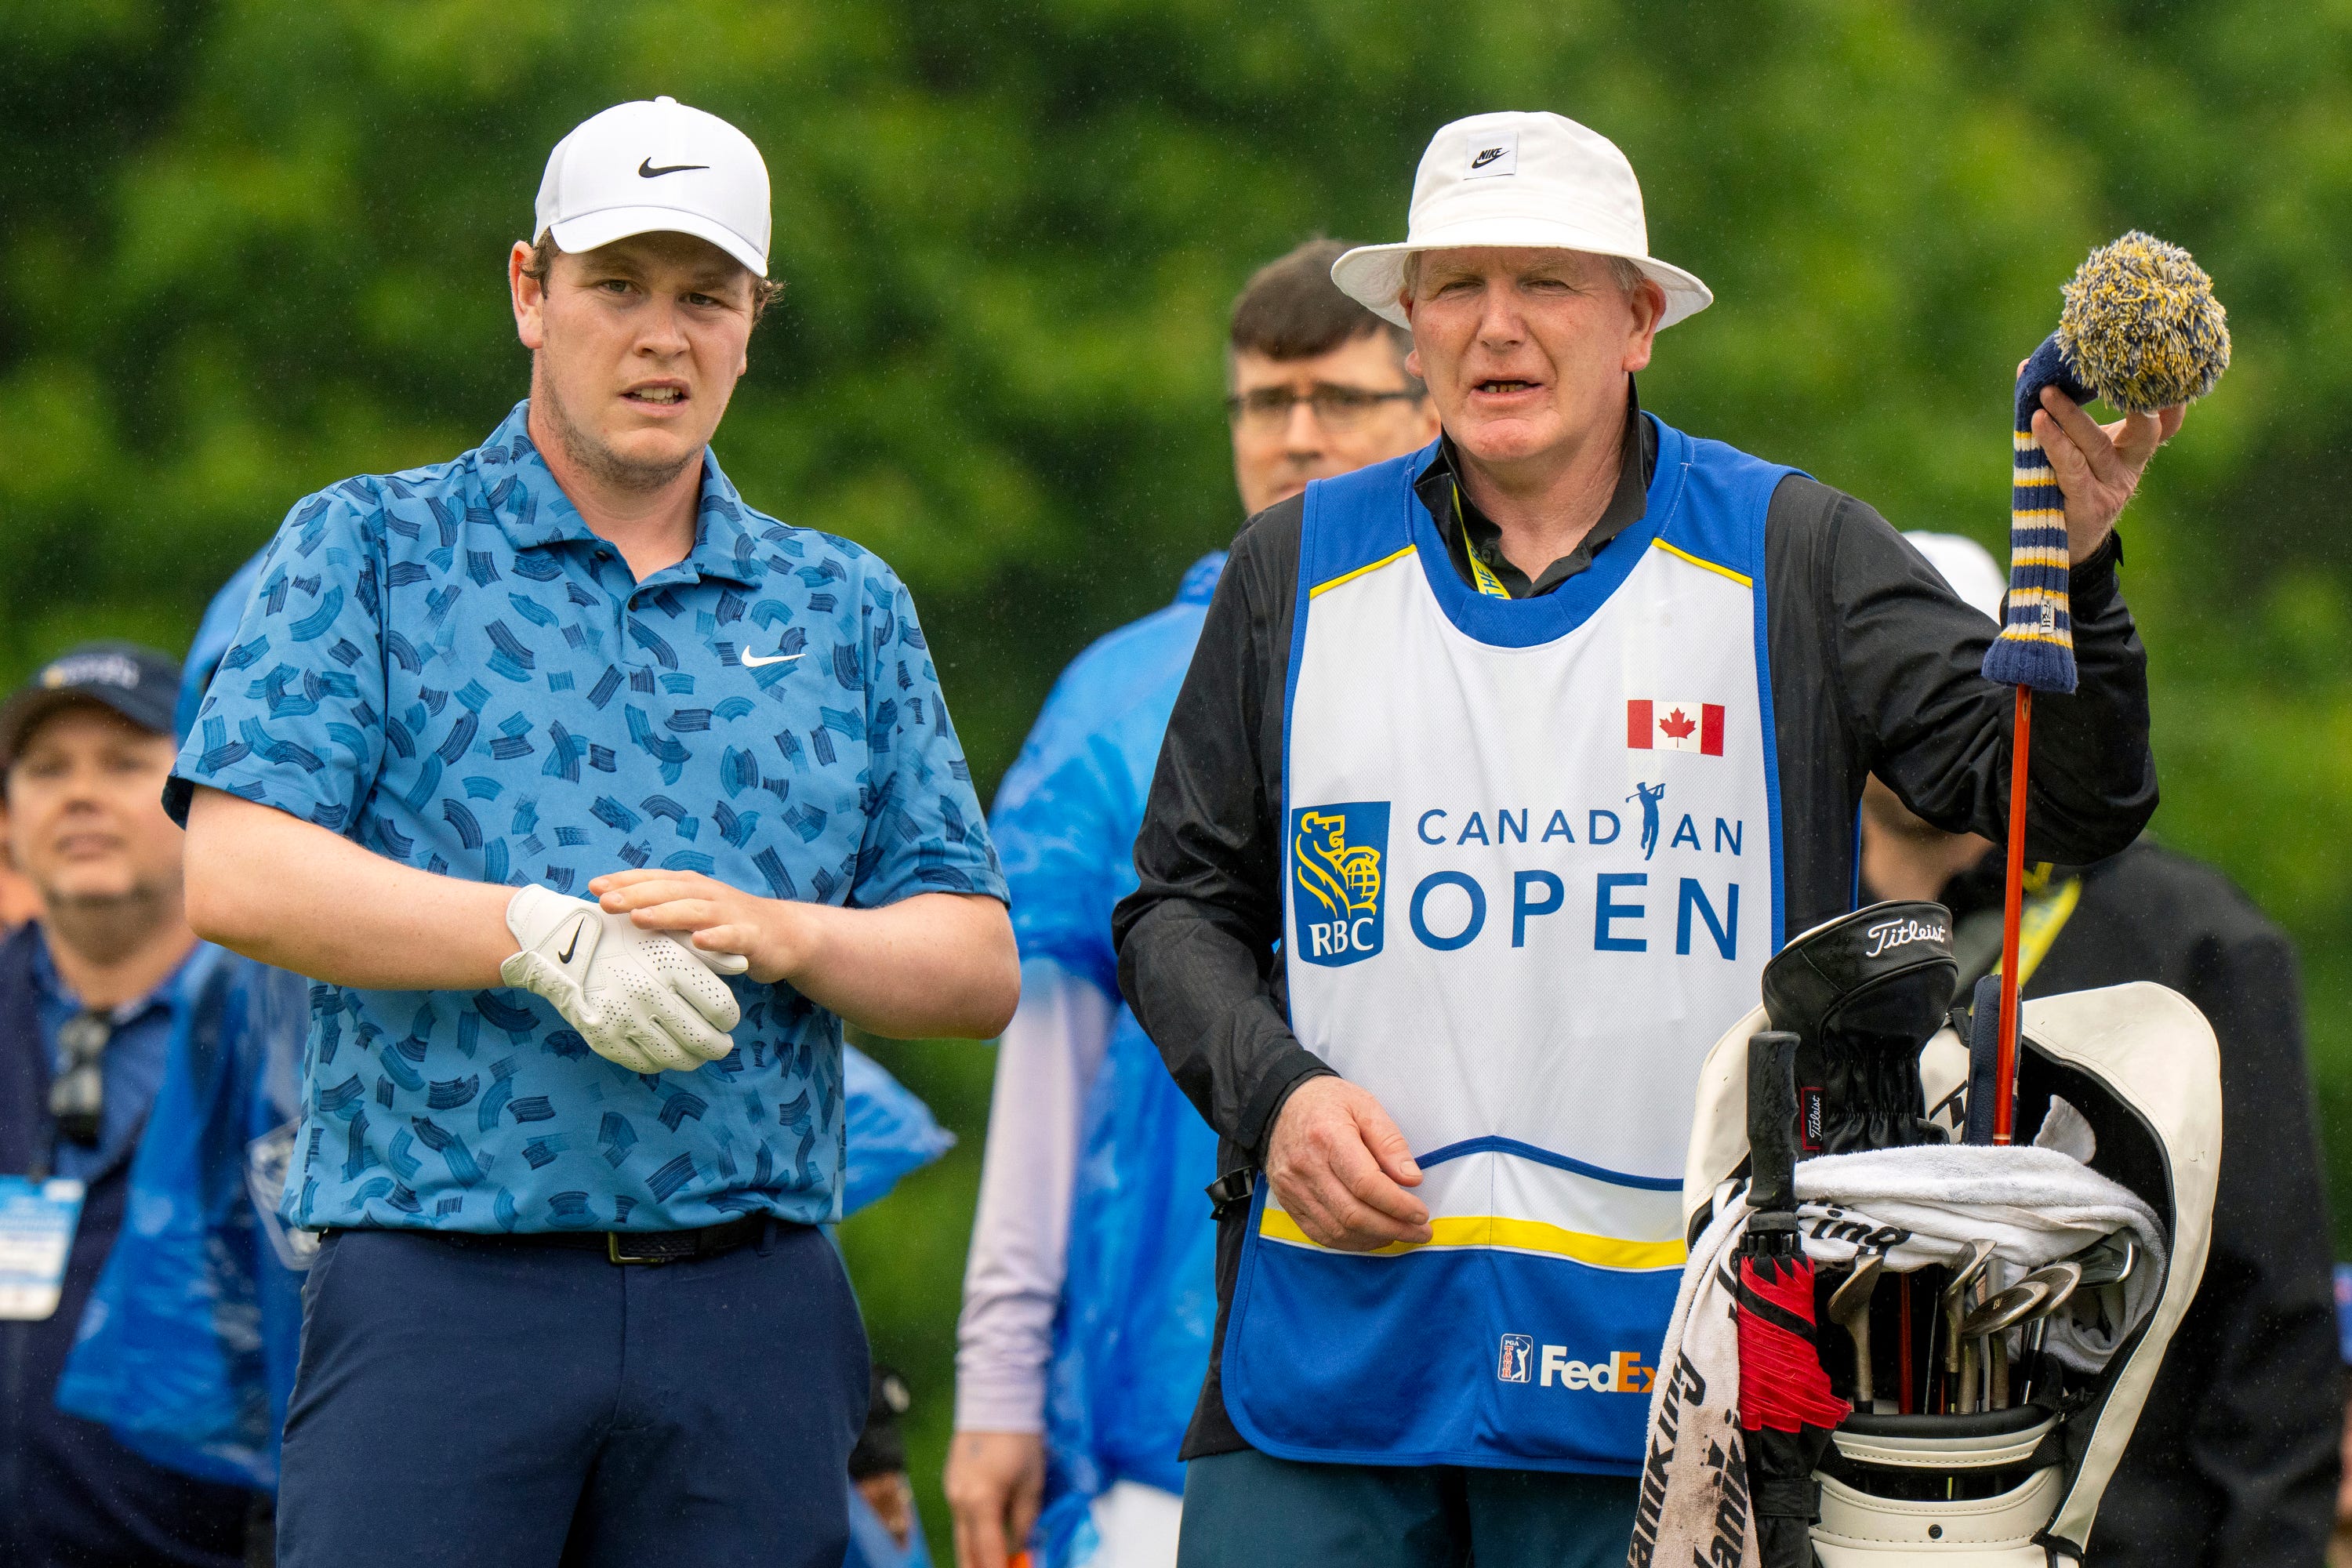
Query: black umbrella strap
pixel 1784 1497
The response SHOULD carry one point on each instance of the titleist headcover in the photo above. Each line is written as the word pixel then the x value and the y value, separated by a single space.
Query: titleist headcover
pixel 1864 992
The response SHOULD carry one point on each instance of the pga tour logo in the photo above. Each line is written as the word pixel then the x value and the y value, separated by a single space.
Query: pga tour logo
pixel 1888 934
pixel 1622 1372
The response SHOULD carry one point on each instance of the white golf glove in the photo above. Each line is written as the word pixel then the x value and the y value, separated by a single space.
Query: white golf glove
pixel 641 998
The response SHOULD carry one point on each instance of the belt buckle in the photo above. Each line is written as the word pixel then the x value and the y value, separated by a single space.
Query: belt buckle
pixel 612 1253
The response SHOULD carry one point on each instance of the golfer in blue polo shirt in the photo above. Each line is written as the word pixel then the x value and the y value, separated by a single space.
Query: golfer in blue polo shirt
pixel 595 801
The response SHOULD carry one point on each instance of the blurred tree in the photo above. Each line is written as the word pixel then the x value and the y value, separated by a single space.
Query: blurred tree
pixel 252 246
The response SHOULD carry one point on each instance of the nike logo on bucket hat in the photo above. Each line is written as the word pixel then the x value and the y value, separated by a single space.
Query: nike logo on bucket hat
pixel 645 171
pixel 1518 180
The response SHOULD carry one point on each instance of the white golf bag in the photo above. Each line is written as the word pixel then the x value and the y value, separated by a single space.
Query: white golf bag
pixel 2016 1488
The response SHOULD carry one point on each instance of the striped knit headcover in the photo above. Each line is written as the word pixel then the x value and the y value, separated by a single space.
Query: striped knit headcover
pixel 2140 329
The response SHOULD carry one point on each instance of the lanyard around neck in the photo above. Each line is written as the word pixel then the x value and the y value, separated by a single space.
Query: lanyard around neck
pixel 1482 576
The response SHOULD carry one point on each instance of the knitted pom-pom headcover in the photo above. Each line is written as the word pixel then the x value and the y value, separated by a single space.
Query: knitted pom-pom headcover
pixel 2142 330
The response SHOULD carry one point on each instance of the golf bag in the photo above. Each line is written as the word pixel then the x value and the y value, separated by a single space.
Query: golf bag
pixel 2014 1488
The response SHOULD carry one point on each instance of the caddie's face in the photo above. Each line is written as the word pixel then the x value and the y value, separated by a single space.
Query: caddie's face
pixel 1526 351
pixel 85 808
pixel 638 345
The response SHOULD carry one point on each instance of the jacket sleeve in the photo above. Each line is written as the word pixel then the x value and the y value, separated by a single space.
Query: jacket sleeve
pixel 1197 937
pixel 1906 653
pixel 2269 1411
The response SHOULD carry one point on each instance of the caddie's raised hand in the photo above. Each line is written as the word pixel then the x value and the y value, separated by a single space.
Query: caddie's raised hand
pixel 641 998
pixel 1339 1167
pixel 2098 466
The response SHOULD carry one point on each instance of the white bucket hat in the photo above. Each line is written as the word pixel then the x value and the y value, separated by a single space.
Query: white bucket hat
pixel 1521 180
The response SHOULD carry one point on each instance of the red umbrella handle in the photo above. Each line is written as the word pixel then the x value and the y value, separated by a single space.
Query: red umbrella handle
pixel 2004 1083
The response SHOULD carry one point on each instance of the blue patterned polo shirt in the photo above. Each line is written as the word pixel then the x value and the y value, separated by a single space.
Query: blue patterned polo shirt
pixel 447 666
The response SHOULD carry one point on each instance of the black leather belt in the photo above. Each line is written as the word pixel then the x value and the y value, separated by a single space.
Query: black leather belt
pixel 662 1246
pixel 630 1246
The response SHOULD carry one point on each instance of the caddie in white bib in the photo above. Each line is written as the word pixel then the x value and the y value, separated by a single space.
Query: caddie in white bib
pixel 1521 936
pixel 1499 771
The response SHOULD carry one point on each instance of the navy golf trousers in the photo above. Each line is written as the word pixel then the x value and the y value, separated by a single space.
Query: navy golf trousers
pixel 472 1400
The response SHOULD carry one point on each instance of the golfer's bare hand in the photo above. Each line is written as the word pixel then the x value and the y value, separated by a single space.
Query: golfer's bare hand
pixel 2098 466
pixel 1340 1168
pixel 707 913
pixel 995 1482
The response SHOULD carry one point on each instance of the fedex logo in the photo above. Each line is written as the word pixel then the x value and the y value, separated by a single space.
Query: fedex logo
pixel 1621 1372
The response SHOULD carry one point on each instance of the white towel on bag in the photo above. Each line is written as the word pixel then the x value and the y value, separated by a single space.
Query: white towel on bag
pixel 1919 1205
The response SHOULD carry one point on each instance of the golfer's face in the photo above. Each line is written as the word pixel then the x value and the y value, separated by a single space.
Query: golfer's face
pixel 641 343
pixel 1526 351
pixel 85 808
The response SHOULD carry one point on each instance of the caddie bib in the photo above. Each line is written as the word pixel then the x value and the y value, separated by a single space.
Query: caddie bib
pixel 1532 868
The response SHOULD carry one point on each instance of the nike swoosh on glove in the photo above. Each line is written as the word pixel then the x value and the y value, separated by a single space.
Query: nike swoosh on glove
pixel 641 998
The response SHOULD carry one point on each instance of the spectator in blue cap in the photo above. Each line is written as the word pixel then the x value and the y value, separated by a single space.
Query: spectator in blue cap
pixel 90 994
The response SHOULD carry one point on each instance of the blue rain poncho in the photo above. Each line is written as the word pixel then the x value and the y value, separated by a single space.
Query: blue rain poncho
pixel 1139 1300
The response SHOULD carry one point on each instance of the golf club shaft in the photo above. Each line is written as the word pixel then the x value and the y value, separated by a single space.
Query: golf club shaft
pixel 2004 1084
pixel 1903 1363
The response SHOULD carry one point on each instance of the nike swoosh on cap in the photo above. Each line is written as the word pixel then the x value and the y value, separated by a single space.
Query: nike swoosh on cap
pixel 753 661
pixel 645 171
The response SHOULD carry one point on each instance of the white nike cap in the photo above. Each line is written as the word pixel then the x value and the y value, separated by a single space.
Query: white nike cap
pixel 653 168
pixel 1538 180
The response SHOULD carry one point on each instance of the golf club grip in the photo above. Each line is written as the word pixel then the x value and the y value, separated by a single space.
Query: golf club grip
pixel 1772 1122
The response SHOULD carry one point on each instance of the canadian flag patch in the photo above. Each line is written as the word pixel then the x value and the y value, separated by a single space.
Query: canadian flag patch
pixel 1654 726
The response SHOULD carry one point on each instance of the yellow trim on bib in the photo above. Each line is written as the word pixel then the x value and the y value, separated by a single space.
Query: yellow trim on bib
pixel 1351 576
pixel 1739 577
pixel 1516 1235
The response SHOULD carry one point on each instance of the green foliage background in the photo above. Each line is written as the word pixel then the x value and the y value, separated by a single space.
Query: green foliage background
pixel 249 246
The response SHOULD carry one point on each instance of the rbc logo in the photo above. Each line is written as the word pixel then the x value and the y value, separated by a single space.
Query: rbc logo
pixel 1517 1354
pixel 1340 853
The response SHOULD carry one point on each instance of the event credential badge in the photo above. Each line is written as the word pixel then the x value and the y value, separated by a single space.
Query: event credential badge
pixel 37 1232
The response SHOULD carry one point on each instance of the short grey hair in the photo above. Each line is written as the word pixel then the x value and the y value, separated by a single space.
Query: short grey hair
pixel 1628 276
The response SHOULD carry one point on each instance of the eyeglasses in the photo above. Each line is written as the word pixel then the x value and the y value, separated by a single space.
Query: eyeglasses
pixel 78 1096
pixel 1267 409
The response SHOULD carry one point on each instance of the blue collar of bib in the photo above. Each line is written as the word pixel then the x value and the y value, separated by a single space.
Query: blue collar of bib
pixel 1528 623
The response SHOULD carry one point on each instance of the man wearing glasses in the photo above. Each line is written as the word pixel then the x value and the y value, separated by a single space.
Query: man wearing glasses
pixel 90 990
pixel 1318 384
pixel 1092 1265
